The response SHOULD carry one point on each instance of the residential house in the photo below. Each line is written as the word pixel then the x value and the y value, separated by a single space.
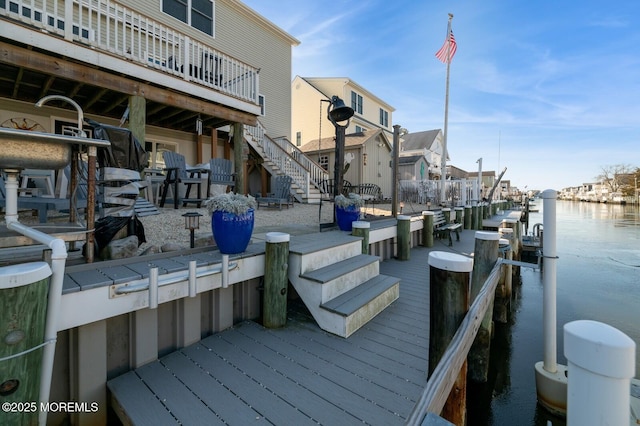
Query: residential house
pixel 429 144
pixel 309 103
pixel 413 167
pixel 487 181
pixel 368 157
pixel 180 75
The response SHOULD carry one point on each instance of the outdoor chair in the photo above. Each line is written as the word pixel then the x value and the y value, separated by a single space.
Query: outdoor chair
pixel 281 193
pixel 220 174
pixel 327 185
pixel 177 173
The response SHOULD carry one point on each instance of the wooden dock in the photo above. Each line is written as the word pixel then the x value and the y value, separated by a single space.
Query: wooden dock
pixel 297 374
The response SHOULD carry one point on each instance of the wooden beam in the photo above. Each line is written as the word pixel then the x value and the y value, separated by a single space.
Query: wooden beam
pixel 59 67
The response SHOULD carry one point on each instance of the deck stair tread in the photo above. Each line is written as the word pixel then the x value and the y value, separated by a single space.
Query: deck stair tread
pixel 336 270
pixel 349 302
pixel 310 243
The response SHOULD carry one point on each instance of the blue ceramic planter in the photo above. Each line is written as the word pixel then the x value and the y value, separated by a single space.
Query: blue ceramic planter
pixel 232 232
pixel 344 217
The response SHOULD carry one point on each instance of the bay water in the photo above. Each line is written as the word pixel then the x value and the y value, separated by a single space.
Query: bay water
pixel 598 278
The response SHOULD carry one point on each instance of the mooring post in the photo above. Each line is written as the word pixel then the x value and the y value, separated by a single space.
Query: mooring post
pixel 601 362
pixel 467 217
pixel 449 302
pixel 446 212
pixel 427 228
pixel 404 237
pixel 361 228
pixel 502 302
pixel 475 212
pixel 485 255
pixel 276 281
pixel 459 215
pixel 514 225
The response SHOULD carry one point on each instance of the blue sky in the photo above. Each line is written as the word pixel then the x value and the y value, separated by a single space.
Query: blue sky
pixel 548 89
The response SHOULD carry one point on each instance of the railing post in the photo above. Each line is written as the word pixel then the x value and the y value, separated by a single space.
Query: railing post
pixel 601 364
pixel 448 303
pixel 484 259
pixel 276 265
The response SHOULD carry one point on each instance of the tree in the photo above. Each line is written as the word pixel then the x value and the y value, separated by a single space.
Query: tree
pixel 616 177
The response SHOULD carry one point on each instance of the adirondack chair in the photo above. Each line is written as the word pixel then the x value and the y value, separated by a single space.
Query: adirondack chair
pixel 220 174
pixel 281 193
pixel 177 173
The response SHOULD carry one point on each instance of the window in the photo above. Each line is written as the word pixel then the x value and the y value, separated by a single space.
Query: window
pixel 323 161
pixel 156 161
pixel 261 103
pixel 298 138
pixel 197 13
pixel 360 129
pixel 356 102
pixel 384 118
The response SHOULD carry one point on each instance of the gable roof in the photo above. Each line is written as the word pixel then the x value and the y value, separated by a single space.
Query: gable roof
pixel 419 140
pixel 350 140
pixel 411 159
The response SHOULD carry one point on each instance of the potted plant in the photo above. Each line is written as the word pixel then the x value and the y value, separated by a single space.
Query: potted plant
pixel 347 210
pixel 231 221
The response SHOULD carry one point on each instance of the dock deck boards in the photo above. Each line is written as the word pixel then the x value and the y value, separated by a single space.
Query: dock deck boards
pixel 300 374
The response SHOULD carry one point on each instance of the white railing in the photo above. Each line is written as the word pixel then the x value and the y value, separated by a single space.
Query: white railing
pixel 458 192
pixel 111 27
pixel 292 162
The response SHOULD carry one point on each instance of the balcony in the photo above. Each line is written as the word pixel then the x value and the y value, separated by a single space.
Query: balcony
pixel 101 52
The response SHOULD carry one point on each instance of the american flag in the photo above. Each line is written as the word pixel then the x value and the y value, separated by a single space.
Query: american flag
pixel 449 42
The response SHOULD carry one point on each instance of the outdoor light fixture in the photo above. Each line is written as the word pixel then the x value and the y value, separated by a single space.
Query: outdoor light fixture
pixel 192 222
pixel 339 114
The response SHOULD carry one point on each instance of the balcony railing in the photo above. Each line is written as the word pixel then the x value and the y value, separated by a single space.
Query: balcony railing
pixel 111 27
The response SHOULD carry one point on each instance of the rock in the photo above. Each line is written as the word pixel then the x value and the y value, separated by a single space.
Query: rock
pixel 150 250
pixel 171 247
pixel 204 240
pixel 120 249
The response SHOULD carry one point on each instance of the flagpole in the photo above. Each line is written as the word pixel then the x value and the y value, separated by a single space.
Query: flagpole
pixel 443 161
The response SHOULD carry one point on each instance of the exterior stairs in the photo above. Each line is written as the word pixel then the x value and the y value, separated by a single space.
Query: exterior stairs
pixel 281 157
pixel 341 287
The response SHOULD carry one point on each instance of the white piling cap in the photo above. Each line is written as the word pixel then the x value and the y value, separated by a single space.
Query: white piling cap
pixel 600 348
pixel 404 217
pixel 446 209
pixel 487 236
pixel 24 273
pixel 361 224
pixel 277 237
pixel 427 213
pixel 450 261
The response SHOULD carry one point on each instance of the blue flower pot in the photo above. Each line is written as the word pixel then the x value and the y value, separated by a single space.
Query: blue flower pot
pixel 345 216
pixel 232 232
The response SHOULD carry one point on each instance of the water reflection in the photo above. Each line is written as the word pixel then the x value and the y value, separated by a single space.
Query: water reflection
pixel 598 278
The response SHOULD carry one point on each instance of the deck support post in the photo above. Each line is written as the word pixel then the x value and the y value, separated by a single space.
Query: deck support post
pixel 90 372
pixel 485 257
pixel 361 228
pixel 404 237
pixel 276 282
pixel 427 228
pixel 144 337
pixel 449 302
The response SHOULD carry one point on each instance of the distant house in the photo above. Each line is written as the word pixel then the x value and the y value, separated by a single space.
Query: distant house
pixel 488 180
pixel 309 104
pixel 413 167
pixel 368 156
pixel 427 143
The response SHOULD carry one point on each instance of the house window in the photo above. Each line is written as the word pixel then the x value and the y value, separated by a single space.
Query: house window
pixel 384 118
pixel 360 129
pixel 356 102
pixel 262 106
pixel 323 161
pixel 298 138
pixel 156 160
pixel 197 13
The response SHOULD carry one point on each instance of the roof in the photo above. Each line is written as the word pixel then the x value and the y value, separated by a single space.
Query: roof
pixel 411 159
pixel 419 140
pixel 350 140
pixel 345 81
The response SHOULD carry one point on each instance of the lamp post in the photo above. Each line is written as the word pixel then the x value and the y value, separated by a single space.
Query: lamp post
pixel 398 132
pixel 339 114
pixel 192 222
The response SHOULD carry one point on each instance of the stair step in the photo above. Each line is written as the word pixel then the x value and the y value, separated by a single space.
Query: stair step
pixel 336 270
pixel 348 303
pixel 310 243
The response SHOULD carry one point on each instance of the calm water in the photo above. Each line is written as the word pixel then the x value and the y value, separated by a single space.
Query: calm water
pixel 598 279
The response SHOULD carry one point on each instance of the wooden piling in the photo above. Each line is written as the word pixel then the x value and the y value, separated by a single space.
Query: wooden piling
pixel 485 255
pixel 23 309
pixel 361 229
pixel 427 228
pixel 467 217
pixel 459 215
pixel 516 242
pixel 449 302
pixel 502 303
pixel 475 219
pixel 276 281
pixel 446 212
pixel 404 237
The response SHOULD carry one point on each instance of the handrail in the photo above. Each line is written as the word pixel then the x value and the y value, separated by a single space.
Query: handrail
pixel 108 26
pixel 439 385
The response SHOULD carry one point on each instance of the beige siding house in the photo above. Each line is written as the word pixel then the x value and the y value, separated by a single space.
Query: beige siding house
pixel 168 65
pixel 428 144
pixel 309 106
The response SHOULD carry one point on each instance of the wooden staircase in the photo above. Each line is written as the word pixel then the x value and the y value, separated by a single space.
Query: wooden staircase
pixel 341 287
